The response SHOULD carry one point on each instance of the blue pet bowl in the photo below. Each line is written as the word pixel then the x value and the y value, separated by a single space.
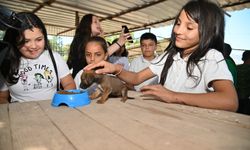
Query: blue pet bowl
pixel 71 98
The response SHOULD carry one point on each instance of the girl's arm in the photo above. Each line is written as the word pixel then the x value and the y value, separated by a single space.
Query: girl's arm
pixel 121 41
pixel 68 82
pixel 133 77
pixel 224 97
pixel 4 97
pixel 116 69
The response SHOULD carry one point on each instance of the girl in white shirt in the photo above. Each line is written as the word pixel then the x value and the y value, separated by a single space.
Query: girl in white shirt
pixel 96 50
pixel 31 71
pixel 192 71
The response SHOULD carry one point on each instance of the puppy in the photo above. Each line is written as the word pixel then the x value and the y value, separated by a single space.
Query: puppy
pixel 107 86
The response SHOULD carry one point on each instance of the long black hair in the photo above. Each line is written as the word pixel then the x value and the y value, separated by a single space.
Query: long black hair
pixel 76 57
pixel 125 51
pixel 210 19
pixel 16 39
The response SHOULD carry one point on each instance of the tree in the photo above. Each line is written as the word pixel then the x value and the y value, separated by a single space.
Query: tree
pixel 57 45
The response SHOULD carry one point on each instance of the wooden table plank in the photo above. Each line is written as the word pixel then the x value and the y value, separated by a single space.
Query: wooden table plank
pixel 5 134
pixel 32 129
pixel 208 133
pixel 219 115
pixel 84 132
pixel 234 124
pixel 135 125
pixel 142 134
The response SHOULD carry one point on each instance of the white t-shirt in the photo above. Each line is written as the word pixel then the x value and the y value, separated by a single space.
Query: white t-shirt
pixel 37 78
pixel 213 67
pixel 138 64
pixel 77 79
pixel 120 60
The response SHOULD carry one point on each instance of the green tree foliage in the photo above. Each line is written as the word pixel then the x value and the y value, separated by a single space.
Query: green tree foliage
pixel 57 45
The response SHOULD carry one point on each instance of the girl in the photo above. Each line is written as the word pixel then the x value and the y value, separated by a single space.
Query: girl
pixel 96 50
pixel 192 71
pixel 89 26
pixel 30 70
pixel 120 56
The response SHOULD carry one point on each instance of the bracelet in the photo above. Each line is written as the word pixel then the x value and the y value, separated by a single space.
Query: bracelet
pixel 119 71
pixel 118 44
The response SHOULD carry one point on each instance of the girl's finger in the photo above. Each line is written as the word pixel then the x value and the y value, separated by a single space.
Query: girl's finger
pixel 92 66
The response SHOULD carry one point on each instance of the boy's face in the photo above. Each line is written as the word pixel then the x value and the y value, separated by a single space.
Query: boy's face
pixel 148 47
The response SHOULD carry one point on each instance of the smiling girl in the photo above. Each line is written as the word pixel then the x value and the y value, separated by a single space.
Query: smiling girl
pixel 28 72
pixel 192 71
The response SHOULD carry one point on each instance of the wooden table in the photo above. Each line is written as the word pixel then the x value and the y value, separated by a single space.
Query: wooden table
pixel 135 125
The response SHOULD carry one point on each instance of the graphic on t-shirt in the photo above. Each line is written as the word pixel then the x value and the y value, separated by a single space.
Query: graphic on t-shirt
pixel 24 80
pixel 38 78
pixel 34 76
pixel 48 77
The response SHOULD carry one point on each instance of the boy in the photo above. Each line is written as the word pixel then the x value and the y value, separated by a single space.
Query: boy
pixel 148 44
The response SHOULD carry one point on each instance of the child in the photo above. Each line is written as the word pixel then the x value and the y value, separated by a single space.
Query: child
pixel 148 42
pixel 96 50
pixel 243 86
pixel 28 72
pixel 120 56
pixel 89 26
pixel 192 71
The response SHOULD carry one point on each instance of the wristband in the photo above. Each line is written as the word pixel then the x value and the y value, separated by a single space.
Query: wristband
pixel 118 44
pixel 119 71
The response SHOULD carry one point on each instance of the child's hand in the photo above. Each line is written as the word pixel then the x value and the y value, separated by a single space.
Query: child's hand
pixel 105 67
pixel 123 37
pixel 158 92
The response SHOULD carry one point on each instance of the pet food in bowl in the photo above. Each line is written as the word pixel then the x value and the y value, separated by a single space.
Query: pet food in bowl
pixel 71 98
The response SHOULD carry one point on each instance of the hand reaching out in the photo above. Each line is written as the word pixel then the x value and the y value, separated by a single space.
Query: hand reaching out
pixel 159 92
pixel 105 67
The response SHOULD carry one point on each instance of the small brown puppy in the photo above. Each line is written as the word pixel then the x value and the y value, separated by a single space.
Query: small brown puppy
pixel 107 86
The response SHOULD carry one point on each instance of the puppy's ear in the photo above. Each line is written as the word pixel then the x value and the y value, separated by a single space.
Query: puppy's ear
pixel 83 75
pixel 98 78
pixel 82 86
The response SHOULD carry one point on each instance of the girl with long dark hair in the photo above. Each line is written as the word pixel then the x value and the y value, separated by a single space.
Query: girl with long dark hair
pixel 31 71
pixel 89 26
pixel 192 71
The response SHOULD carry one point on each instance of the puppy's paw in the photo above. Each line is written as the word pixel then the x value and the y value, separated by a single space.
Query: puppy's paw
pixel 95 95
pixel 123 99
pixel 92 97
pixel 100 101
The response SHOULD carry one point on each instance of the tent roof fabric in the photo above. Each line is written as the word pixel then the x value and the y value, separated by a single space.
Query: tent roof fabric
pixel 62 16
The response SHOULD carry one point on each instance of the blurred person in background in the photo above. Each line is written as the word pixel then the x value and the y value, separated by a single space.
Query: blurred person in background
pixel 243 84
pixel 120 56
pixel 230 62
